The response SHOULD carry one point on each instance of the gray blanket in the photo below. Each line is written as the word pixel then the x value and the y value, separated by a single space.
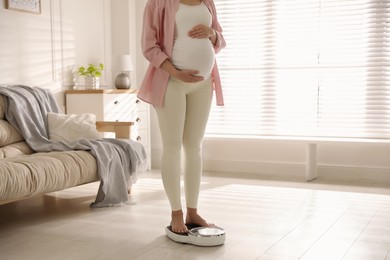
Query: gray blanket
pixel 117 159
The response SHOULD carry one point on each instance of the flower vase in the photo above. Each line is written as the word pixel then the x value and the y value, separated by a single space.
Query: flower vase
pixel 92 82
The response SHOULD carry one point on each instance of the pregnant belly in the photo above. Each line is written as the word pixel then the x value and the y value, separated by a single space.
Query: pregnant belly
pixel 194 54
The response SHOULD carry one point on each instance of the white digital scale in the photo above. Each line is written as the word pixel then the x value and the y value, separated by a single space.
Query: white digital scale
pixel 199 236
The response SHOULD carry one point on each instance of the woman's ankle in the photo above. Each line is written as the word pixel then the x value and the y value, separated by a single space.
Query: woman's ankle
pixel 192 211
pixel 176 213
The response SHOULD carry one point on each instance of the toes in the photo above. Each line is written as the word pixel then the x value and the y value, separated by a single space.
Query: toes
pixel 180 230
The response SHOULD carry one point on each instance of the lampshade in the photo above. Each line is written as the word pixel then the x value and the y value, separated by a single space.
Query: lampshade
pixel 123 63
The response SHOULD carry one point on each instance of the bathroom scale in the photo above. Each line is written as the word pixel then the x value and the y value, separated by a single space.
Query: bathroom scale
pixel 199 236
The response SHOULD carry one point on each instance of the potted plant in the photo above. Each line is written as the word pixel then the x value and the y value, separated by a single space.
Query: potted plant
pixel 91 74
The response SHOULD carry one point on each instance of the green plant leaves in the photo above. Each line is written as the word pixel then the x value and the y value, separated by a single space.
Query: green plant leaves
pixel 91 70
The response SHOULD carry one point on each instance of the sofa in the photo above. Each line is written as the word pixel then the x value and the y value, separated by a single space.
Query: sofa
pixel 25 172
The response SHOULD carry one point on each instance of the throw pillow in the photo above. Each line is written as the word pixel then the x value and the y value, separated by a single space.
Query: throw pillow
pixel 71 127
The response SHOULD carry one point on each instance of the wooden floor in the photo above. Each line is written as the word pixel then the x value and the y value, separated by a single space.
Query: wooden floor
pixel 264 219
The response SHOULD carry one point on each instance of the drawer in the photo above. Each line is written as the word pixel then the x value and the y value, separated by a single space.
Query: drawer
pixel 140 120
pixel 140 136
pixel 140 105
pixel 119 103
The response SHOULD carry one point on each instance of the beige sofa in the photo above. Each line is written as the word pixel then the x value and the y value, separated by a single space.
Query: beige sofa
pixel 24 173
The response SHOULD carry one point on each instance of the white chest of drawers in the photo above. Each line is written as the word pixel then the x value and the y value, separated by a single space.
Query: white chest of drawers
pixel 113 105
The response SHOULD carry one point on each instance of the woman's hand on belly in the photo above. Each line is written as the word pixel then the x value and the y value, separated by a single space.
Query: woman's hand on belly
pixel 202 31
pixel 187 76
pixel 183 75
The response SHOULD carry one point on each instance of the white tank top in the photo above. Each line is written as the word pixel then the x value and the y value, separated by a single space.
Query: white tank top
pixel 189 53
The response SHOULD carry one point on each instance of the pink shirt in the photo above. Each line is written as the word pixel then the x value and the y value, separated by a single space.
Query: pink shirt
pixel 157 44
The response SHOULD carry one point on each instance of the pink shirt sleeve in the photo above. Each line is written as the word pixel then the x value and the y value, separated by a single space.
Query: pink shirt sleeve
pixel 151 34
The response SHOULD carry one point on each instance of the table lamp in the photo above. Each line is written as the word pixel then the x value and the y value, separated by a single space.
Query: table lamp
pixel 124 64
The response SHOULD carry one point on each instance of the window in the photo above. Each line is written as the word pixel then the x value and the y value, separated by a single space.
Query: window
pixel 304 68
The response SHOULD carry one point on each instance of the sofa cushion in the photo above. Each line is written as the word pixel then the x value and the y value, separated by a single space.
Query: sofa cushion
pixel 2 106
pixel 8 134
pixel 45 172
pixel 71 127
pixel 15 149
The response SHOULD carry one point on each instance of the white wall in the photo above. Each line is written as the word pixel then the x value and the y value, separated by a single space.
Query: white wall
pixel 85 36
pixel 44 49
pixel 26 47
pixel 126 33
pixel 350 161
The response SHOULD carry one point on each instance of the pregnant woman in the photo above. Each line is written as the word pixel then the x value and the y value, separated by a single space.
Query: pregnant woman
pixel 180 39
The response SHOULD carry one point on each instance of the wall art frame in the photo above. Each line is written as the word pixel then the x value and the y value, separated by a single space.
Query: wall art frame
pixel 29 6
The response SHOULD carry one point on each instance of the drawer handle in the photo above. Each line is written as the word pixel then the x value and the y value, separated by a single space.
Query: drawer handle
pixel 139 138
pixel 138 120
pixel 116 102
pixel 137 101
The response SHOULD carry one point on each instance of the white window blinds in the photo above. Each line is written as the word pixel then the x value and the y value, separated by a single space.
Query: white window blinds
pixel 304 68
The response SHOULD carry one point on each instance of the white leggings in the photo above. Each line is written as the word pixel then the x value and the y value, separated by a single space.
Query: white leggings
pixel 182 120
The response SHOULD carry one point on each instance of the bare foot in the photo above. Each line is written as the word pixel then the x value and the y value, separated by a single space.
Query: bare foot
pixel 177 223
pixel 194 218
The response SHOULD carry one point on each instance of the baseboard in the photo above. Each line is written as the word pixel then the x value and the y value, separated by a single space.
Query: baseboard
pixel 355 173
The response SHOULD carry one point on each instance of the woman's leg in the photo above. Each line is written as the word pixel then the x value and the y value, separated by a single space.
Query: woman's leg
pixel 171 118
pixel 197 113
